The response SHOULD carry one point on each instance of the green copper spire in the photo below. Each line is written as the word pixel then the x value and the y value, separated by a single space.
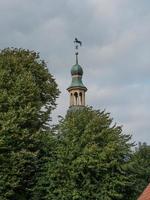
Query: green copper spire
pixel 77 89
pixel 77 72
pixel 76 58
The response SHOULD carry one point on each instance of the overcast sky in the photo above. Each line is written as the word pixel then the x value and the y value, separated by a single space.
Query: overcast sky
pixel 115 55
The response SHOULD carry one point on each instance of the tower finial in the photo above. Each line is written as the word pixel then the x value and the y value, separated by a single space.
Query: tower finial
pixel 77 43
pixel 76 58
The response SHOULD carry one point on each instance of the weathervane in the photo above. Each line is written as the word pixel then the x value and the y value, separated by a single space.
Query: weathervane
pixel 77 43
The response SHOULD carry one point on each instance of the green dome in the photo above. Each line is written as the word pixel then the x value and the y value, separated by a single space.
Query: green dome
pixel 76 70
pixel 77 83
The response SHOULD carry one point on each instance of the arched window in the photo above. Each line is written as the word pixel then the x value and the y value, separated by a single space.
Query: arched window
pixel 80 99
pixel 71 99
pixel 76 98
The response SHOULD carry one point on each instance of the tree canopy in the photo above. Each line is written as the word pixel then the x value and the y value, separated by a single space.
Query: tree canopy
pixel 91 161
pixel 141 168
pixel 86 156
pixel 27 97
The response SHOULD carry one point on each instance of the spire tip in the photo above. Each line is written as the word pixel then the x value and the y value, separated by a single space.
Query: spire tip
pixel 76 57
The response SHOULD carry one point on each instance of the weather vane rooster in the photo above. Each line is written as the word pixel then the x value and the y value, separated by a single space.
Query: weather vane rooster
pixel 77 43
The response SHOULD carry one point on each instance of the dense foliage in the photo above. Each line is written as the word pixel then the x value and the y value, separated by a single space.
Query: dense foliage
pixel 141 169
pixel 86 156
pixel 27 97
pixel 91 160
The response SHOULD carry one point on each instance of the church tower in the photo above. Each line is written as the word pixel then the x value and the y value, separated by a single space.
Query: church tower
pixel 77 89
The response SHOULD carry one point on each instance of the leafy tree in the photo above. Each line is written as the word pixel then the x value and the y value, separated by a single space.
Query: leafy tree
pixel 91 160
pixel 141 168
pixel 27 97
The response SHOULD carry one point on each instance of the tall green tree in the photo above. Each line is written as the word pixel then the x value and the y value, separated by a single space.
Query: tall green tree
pixel 91 160
pixel 27 97
pixel 141 168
